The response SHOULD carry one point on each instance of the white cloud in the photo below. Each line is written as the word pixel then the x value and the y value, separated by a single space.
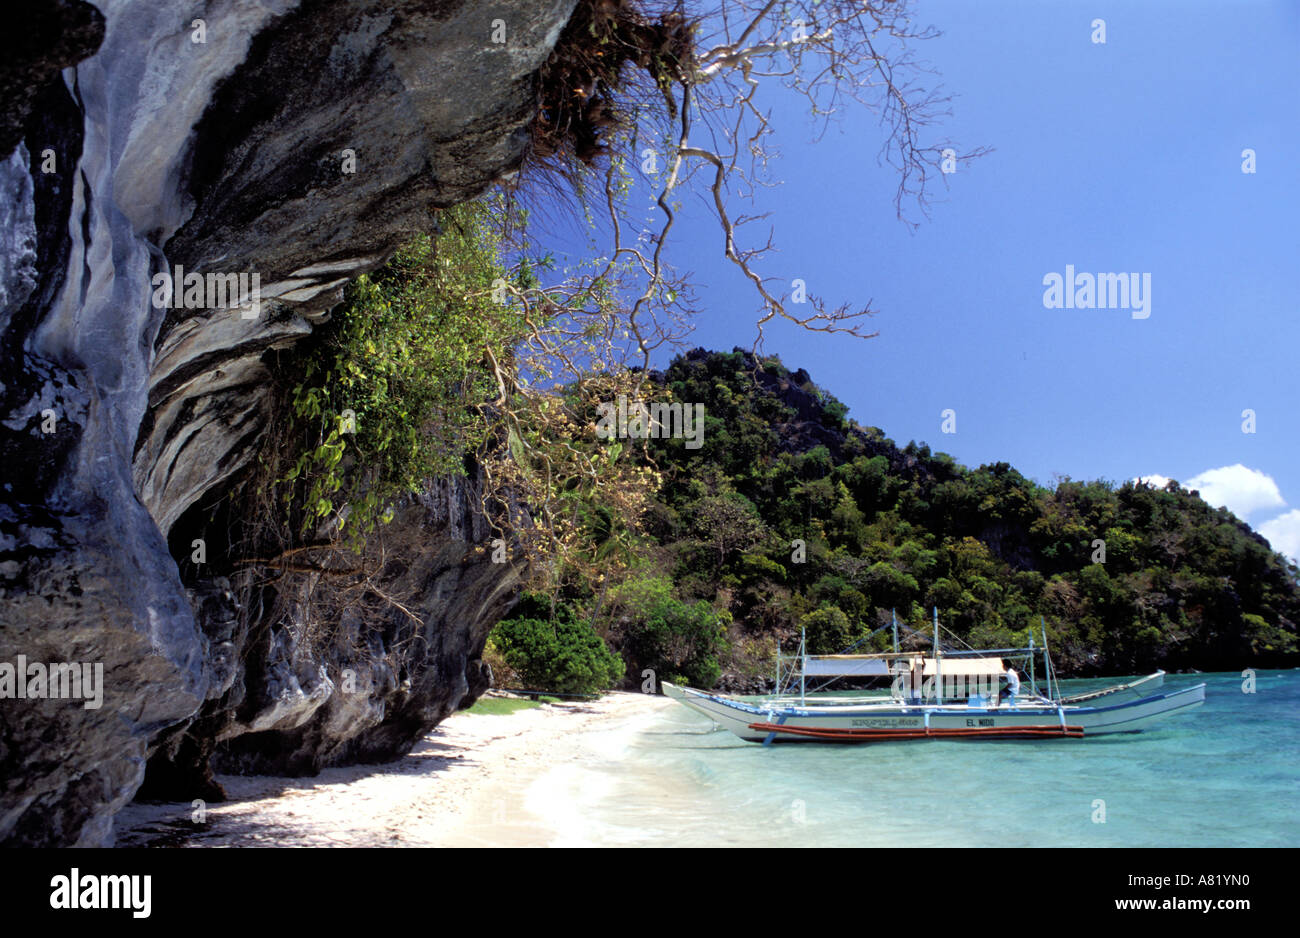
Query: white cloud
pixel 1283 534
pixel 1245 491
pixel 1242 491
pixel 1156 481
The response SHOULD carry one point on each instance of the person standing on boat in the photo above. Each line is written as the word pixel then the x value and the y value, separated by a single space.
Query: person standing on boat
pixel 1013 684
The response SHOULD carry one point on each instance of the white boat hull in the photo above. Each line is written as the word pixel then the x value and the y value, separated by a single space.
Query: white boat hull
pixel 894 720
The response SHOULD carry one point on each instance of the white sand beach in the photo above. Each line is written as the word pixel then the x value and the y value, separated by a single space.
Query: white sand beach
pixel 475 780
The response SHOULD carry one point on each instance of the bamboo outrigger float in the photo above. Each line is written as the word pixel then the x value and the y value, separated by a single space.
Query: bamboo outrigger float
pixel 947 695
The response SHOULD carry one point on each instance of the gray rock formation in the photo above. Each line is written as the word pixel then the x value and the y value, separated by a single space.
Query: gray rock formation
pixel 298 140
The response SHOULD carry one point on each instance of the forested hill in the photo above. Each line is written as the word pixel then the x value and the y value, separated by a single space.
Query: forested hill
pixel 1182 584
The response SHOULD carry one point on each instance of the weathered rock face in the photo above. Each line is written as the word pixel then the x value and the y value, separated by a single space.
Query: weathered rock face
pixel 402 669
pixel 308 671
pixel 234 154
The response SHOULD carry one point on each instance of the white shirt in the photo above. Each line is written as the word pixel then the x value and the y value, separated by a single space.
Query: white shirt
pixel 1013 682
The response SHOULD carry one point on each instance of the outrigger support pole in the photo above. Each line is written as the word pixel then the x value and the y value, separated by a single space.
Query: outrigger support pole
pixel 778 667
pixel 894 618
pixel 1032 683
pixel 1047 662
pixel 938 678
pixel 803 660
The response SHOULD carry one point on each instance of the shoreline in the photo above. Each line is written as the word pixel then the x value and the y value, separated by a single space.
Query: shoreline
pixel 474 780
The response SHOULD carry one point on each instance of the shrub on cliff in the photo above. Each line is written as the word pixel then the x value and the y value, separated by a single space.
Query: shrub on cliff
pixel 396 389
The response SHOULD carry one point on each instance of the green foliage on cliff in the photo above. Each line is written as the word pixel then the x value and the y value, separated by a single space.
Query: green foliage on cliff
pixel 436 365
pixel 393 392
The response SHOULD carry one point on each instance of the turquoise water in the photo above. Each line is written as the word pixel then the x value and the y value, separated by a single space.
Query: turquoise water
pixel 1225 774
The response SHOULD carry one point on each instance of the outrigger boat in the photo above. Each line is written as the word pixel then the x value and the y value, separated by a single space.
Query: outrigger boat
pixel 946 695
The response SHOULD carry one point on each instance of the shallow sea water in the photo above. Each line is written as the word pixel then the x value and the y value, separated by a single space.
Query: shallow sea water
pixel 1224 774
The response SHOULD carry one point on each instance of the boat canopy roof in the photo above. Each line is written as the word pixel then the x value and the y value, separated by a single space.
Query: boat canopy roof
pixel 845 666
pixel 966 667
pixel 874 666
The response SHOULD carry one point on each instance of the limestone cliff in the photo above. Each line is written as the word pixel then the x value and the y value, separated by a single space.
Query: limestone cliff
pixel 301 140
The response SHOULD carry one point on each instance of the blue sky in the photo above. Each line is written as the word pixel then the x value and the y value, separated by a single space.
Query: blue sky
pixel 1122 157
